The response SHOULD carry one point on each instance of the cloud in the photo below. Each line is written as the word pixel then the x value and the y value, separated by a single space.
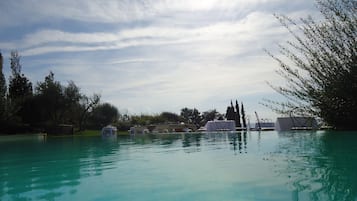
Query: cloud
pixel 168 63
pixel 152 55
pixel 218 37
pixel 128 11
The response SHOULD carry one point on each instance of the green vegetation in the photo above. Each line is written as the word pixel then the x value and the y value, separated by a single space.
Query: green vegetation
pixel 233 113
pixel 50 104
pixel 321 71
pixel 52 107
pixel 3 89
pixel 187 115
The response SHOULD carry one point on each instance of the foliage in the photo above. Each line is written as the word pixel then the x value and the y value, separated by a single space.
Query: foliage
pixel 191 116
pixel 72 97
pixel 15 63
pixel 50 99
pixel 234 114
pixel 86 106
pixel 322 79
pixel 243 117
pixel 210 115
pixel 146 119
pixel 103 114
pixel 237 116
pixel 58 104
pixel 51 104
pixel 230 113
pixel 3 89
pixel 20 90
pixel 170 117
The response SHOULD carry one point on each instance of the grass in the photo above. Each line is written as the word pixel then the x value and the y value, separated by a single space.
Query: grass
pixel 88 133
pixel 96 133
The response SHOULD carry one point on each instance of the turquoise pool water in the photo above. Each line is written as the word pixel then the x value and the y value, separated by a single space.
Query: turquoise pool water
pixel 240 166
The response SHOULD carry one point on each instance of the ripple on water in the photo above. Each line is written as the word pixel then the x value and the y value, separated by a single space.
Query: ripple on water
pixel 224 166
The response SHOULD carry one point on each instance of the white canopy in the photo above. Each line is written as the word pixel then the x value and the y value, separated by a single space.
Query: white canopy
pixel 220 125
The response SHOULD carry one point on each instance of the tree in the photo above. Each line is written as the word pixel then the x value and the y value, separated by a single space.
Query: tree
pixel 15 63
pixel 147 119
pixel 50 99
pixel 210 115
pixel 322 79
pixel 170 117
pixel 56 104
pixel 230 113
pixel 191 116
pixel 196 117
pixel 104 114
pixel 20 89
pixel 87 105
pixel 72 97
pixel 2 90
pixel 243 117
pixel 237 116
pixel 186 114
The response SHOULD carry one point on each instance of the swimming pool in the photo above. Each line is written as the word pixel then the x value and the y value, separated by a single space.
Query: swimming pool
pixel 246 166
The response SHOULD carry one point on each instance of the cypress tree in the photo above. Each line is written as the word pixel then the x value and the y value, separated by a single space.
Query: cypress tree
pixel 20 90
pixel 243 117
pixel 237 116
pixel 2 89
pixel 19 86
pixel 230 114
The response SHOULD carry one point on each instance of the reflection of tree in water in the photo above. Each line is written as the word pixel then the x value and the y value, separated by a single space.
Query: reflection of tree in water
pixel 324 165
pixel 154 139
pixel 191 142
pixel 49 167
pixel 238 141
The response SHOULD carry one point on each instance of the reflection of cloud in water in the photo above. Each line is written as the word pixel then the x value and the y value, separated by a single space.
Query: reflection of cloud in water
pixel 312 165
pixel 318 165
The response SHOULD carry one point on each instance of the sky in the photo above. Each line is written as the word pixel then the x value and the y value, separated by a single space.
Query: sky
pixel 150 56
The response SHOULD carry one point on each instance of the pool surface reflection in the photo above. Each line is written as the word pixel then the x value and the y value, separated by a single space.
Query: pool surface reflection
pixel 245 166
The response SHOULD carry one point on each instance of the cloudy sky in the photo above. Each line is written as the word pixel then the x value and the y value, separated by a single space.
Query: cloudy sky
pixel 149 56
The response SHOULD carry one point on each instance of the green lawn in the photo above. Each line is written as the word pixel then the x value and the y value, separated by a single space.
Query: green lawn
pixel 96 133
pixel 88 133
